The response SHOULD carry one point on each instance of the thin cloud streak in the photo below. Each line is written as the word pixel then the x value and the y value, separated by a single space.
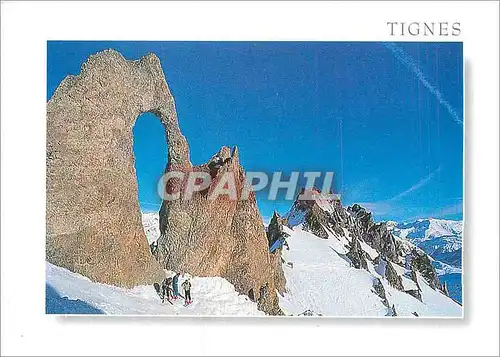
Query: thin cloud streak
pixel 424 181
pixel 378 208
pixel 387 206
pixel 410 63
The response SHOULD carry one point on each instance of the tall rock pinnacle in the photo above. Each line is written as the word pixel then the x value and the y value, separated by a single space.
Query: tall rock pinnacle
pixel 93 216
pixel 222 236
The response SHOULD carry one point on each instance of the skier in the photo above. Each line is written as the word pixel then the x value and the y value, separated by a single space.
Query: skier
pixel 166 289
pixel 186 285
pixel 175 285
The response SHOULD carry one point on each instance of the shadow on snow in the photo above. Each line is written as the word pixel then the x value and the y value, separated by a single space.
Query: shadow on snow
pixel 56 304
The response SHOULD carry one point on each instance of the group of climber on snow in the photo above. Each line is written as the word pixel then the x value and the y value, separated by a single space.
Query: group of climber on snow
pixel 170 289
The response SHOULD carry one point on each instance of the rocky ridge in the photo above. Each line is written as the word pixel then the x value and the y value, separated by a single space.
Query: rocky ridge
pixel 365 240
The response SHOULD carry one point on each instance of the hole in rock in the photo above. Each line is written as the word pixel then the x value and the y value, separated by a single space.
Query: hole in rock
pixel 150 152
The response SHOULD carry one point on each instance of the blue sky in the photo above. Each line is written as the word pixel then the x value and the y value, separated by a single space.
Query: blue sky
pixel 385 118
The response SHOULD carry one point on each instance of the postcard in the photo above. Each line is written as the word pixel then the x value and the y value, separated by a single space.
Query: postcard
pixel 264 178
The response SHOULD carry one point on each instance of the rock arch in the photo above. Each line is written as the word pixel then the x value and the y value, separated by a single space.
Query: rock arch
pixel 93 217
pixel 92 214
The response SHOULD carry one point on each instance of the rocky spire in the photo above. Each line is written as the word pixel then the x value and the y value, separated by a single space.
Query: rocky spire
pixel 221 236
pixel 93 216
pixel 314 223
pixel 320 215
pixel 274 233
pixel 375 235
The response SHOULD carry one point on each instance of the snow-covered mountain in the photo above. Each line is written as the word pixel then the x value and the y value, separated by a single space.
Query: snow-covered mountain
pixel 320 278
pixel 338 262
pixel 441 239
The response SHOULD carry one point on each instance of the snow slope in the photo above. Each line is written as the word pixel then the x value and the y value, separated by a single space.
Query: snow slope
pixel 320 280
pixel 323 281
pixel 71 293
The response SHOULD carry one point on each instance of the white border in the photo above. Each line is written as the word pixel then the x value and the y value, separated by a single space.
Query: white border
pixel 25 29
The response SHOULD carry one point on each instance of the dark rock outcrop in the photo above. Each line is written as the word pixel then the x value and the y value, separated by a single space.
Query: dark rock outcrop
pixel 357 255
pixel 380 239
pixel 420 262
pixel 274 233
pixel 379 289
pixel 393 277
pixel 415 293
pixel 374 234
pixel 314 222
pixel 309 313
pixel 275 229
pixel 362 216
pixel 392 311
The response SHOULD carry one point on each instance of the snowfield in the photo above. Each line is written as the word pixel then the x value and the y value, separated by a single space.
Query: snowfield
pixel 71 293
pixel 320 281
pixel 323 281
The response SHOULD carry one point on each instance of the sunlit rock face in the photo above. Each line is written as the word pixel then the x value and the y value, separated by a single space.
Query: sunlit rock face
pixel 213 234
pixel 93 216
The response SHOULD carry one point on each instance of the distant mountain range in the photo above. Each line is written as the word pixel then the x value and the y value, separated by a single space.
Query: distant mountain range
pixel 442 240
